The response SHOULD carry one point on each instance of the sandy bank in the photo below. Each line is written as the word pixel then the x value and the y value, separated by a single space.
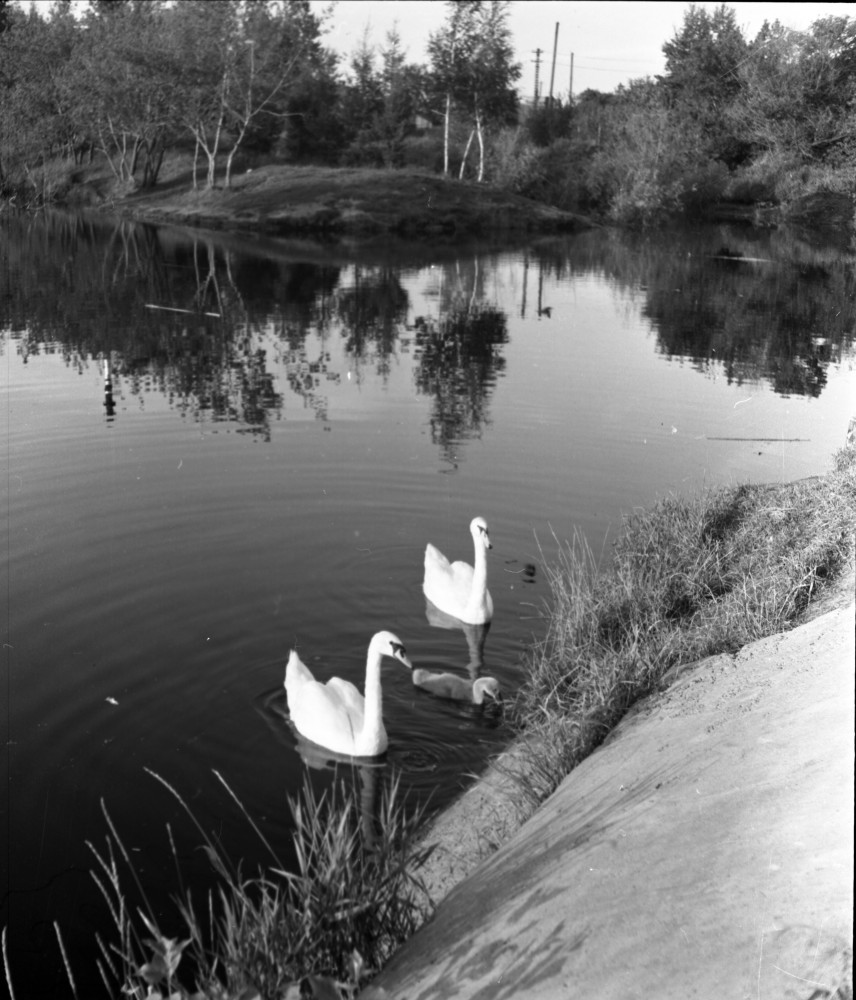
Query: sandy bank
pixel 705 850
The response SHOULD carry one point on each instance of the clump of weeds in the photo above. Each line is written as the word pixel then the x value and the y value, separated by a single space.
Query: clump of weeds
pixel 322 930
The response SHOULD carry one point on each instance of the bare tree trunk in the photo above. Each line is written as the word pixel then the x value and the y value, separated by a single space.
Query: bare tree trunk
pixel 195 162
pixel 239 138
pixel 466 154
pixel 446 135
pixel 481 146
pixel 212 155
pixel 227 180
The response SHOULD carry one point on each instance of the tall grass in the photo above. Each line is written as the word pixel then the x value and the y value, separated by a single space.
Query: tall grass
pixel 689 578
pixel 324 929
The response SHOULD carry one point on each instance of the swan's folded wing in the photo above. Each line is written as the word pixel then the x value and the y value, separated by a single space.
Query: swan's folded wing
pixel 296 673
pixel 435 561
pixel 348 694
pixel 321 716
pixel 446 584
pixel 462 578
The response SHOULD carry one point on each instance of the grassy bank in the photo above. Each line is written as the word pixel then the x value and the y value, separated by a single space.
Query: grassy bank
pixel 690 577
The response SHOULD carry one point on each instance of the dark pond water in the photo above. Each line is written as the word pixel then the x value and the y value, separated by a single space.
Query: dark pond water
pixel 287 426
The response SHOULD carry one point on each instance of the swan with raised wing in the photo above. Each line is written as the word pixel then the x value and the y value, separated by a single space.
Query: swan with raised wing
pixel 335 715
pixel 457 588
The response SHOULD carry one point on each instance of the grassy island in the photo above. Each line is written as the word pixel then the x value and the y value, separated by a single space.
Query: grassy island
pixel 338 201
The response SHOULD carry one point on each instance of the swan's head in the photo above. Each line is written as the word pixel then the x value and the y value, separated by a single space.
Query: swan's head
pixel 388 644
pixel 478 529
pixel 486 687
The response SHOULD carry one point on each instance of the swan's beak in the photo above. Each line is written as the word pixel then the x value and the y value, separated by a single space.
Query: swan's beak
pixel 400 653
pixel 493 693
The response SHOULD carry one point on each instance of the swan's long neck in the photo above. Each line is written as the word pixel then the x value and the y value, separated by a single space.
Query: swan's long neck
pixel 373 714
pixel 479 585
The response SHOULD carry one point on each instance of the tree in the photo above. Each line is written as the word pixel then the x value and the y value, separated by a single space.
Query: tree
pixel 798 92
pixel 121 96
pixel 308 123
pixel 450 52
pixel 379 103
pixel 200 51
pixel 831 90
pixel 35 120
pixel 265 58
pixel 362 99
pixel 472 62
pixel 5 22
pixel 395 119
pixel 491 75
pixel 648 157
pixel 312 126
pixel 702 78
pixel 5 14
pixel 233 63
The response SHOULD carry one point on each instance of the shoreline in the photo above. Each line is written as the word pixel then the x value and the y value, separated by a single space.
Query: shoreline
pixel 488 813
pixel 361 204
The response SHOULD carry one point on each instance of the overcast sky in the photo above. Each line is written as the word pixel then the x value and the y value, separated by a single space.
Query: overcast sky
pixel 611 42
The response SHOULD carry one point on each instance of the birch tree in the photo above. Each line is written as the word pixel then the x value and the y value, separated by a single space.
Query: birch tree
pixel 450 51
pixel 492 75
pixel 472 60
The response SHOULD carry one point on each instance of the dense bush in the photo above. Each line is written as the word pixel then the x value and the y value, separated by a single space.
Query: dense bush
pixel 763 122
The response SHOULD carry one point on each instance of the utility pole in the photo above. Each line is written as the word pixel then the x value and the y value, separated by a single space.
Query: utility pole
pixel 553 70
pixel 537 70
pixel 571 84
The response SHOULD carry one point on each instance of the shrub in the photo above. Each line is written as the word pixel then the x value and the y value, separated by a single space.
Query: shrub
pixel 514 163
pixel 425 152
pixel 559 174
pixel 704 187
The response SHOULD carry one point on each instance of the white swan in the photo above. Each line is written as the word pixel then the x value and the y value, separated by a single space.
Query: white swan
pixel 457 688
pixel 335 715
pixel 457 588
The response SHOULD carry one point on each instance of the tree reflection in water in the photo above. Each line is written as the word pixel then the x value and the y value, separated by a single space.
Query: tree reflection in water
pixel 744 304
pixel 372 311
pixel 458 360
pixel 212 323
pixel 183 316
